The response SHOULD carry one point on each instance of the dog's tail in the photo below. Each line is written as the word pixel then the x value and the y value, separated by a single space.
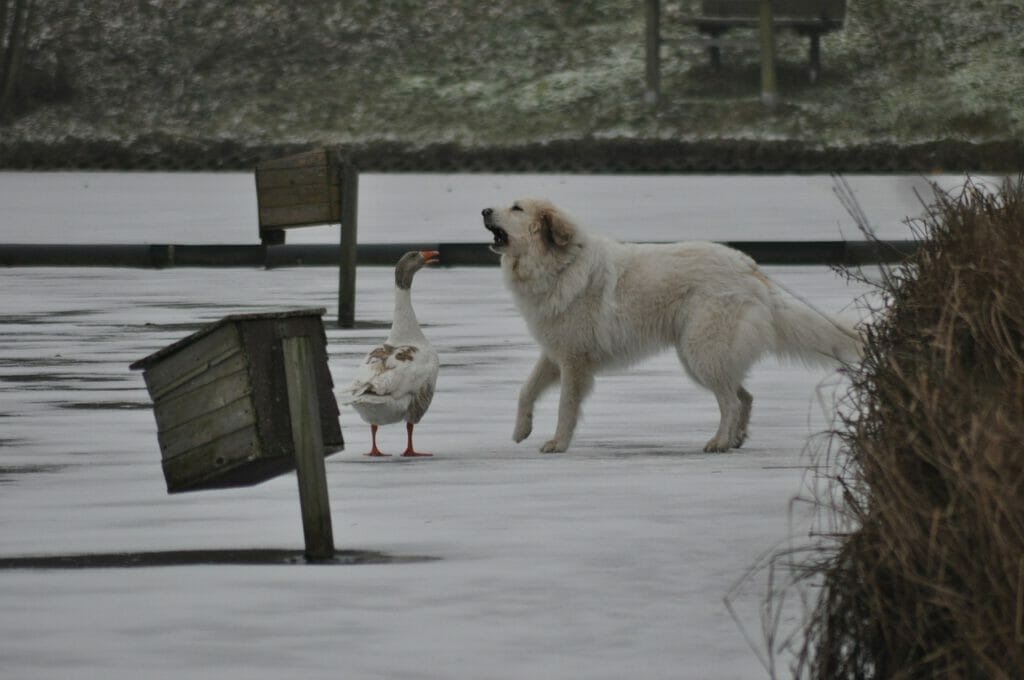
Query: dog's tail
pixel 811 336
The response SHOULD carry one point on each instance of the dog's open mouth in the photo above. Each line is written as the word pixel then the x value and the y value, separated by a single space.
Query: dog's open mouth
pixel 500 238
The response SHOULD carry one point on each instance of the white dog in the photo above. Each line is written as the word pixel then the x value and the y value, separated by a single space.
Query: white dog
pixel 593 304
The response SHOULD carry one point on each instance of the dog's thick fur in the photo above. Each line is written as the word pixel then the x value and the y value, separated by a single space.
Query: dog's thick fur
pixel 593 304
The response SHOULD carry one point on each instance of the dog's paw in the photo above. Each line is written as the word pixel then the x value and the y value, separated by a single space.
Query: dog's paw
pixel 715 446
pixel 524 426
pixel 554 446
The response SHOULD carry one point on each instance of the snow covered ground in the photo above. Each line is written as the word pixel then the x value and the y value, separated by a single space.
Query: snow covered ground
pixel 609 561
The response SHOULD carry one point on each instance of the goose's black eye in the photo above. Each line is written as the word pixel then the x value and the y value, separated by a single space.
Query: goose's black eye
pixel 516 208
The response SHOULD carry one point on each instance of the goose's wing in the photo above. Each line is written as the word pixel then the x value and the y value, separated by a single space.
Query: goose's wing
pixel 395 373
pixel 424 394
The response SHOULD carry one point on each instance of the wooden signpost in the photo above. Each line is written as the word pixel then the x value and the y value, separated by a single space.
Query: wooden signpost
pixel 313 188
pixel 246 399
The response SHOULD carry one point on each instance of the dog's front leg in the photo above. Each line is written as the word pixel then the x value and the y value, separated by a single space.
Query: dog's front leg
pixel 544 375
pixel 576 384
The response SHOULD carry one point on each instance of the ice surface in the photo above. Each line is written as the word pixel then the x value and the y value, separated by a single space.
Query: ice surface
pixel 609 561
pixel 110 207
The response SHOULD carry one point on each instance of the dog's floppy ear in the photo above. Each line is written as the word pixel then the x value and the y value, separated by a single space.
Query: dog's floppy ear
pixel 557 230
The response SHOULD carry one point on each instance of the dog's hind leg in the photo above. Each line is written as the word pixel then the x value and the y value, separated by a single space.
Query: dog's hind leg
pixel 728 435
pixel 717 356
pixel 734 404
pixel 544 375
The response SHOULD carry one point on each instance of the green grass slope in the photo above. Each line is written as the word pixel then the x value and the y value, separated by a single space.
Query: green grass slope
pixel 150 76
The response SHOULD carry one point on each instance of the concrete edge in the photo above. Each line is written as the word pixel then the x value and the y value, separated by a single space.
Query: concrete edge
pixel 161 256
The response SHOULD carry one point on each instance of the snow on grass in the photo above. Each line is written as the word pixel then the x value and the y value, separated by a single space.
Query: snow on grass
pixel 258 73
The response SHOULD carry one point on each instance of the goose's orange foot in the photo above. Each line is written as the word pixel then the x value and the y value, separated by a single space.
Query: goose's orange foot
pixel 410 452
pixel 375 452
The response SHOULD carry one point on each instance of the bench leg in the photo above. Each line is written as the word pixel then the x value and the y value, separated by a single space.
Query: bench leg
pixel 814 58
pixel 652 86
pixel 715 56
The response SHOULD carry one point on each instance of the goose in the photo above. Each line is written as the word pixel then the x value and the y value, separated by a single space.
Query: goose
pixel 396 379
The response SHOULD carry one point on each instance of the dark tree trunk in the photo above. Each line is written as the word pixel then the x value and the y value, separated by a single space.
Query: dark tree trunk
pixel 12 47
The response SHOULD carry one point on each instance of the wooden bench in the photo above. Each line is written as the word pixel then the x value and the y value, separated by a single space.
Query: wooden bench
pixel 809 18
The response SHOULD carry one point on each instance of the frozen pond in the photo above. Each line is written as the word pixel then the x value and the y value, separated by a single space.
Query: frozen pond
pixel 609 561
pixel 204 208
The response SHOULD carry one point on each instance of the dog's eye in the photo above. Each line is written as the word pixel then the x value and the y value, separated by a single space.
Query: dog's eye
pixel 516 208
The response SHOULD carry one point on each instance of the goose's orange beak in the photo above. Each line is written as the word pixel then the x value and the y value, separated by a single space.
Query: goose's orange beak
pixel 430 256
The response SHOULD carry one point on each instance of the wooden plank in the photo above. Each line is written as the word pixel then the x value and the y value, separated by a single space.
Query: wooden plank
pixel 308 446
pixel 192 360
pixel 299 160
pixel 189 405
pixel 210 426
pixel 831 10
pixel 205 463
pixel 269 179
pixel 172 382
pixel 718 25
pixel 300 215
pixel 297 194
pixel 232 363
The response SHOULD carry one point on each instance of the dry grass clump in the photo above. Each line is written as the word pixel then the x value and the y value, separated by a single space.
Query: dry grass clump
pixel 929 582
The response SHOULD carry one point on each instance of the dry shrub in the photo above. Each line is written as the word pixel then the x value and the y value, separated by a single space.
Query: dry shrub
pixel 929 580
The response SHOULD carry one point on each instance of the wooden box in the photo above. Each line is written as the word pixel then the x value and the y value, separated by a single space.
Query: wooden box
pixel 221 401
pixel 296 191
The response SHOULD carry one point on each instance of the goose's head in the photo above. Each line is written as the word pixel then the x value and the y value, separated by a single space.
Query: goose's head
pixel 412 262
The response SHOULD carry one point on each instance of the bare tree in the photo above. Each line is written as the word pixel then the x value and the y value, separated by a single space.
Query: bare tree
pixel 15 16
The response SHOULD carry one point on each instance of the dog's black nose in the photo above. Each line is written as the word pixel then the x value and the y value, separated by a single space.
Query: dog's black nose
pixel 487 212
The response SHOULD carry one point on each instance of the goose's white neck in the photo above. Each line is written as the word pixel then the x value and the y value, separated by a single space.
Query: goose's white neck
pixel 404 326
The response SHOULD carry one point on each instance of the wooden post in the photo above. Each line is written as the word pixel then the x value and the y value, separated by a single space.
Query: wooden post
pixel 653 15
pixel 815 57
pixel 769 90
pixel 347 257
pixel 304 407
